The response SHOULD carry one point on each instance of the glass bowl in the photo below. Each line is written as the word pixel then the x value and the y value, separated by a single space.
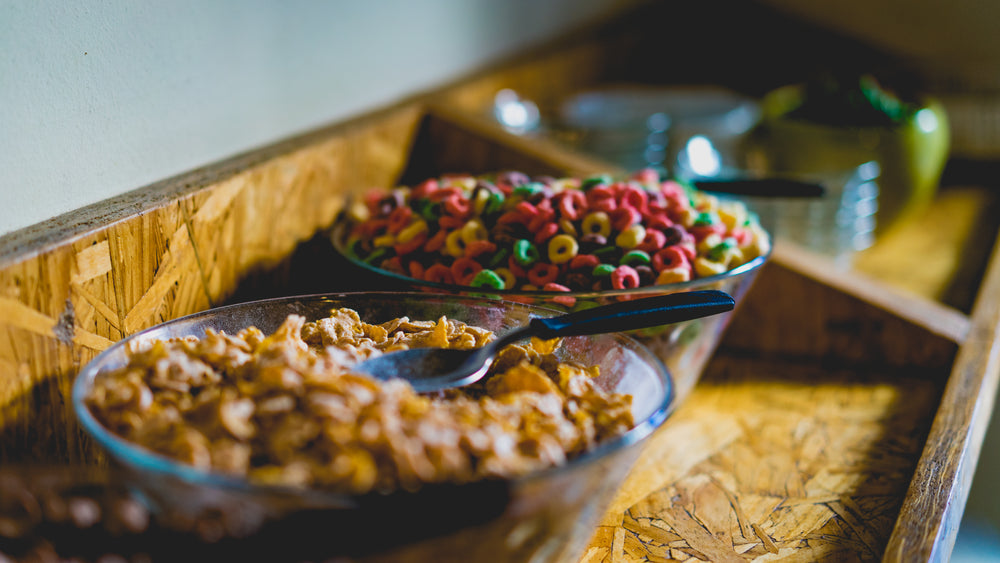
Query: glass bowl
pixel 684 348
pixel 546 515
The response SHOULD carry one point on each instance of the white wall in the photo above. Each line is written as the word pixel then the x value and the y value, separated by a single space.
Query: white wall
pixel 101 97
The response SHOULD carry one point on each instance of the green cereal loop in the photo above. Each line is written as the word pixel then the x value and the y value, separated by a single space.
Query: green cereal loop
pixel 427 209
pixel 602 270
pixel 525 253
pixel 379 253
pixel 605 250
pixel 487 278
pixel 593 181
pixel 494 203
pixel 718 252
pixel 706 218
pixel 529 189
pixel 635 258
pixel 498 258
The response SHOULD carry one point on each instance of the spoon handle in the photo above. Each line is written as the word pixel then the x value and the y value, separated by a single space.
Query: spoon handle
pixel 762 187
pixel 630 315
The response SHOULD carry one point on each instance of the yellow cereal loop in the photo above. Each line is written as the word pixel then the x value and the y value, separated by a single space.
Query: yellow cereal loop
pixel 508 277
pixel 596 223
pixel 631 237
pixel 358 211
pixel 567 226
pixel 686 216
pixel 482 197
pixel 562 248
pixel 705 267
pixel 760 243
pixel 674 275
pixel 732 215
pixel 736 257
pixel 705 202
pixel 411 231
pixel 473 231
pixel 708 243
pixel 453 244
pixel 384 240
pixel 465 182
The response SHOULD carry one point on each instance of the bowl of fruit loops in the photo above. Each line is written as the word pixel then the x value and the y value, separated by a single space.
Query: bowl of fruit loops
pixel 566 243
pixel 251 417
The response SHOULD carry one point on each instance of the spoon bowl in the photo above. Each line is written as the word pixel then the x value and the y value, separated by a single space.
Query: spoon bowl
pixel 435 369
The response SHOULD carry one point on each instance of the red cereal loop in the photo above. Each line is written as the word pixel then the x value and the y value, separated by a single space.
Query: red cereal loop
pixel 451 222
pixel 618 187
pixel 572 204
pixel 588 261
pixel 624 217
pixel 701 231
pixel 526 209
pixel 653 241
pixel 543 273
pixel 439 273
pixel 554 287
pixel 687 246
pixel 412 245
pixel 372 228
pixel 512 216
pixel 436 242
pixel 399 219
pixel 545 232
pixel 659 220
pixel 417 270
pixel 742 236
pixel 457 205
pixel 635 198
pixel 393 264
pixel 479 247
pixel 606 205
pixel 673 190
pixel 624 277
pixel 647 176
pixel 598 193
pixel 424 189
pixel 669 258
pixel 464 269
pixel 516 269
pixel 545 215
pixel 442 193
pixel 371 200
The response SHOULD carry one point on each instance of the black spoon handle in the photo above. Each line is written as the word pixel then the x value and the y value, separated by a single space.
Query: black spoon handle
pixel 639 313
pixel 762 187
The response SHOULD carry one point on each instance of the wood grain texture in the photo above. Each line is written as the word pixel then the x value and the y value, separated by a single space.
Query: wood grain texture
pixel 75 291
pixel 924 532
pixel 791 447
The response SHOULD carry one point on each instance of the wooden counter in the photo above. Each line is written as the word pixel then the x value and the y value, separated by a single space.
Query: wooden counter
pixel 840 419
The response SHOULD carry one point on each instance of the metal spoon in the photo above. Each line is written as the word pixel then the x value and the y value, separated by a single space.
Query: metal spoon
pixel 434 369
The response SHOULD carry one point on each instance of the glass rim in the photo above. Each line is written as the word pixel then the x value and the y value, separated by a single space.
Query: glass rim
pixel 337 234
pixel 138 457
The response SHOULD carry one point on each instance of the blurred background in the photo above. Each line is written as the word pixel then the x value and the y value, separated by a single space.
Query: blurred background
pixel 104 97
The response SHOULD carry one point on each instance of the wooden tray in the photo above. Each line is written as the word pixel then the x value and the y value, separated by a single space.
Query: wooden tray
pixel 840 419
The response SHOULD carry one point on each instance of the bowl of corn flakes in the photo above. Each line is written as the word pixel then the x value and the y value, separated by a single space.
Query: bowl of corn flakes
pixel 247 421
